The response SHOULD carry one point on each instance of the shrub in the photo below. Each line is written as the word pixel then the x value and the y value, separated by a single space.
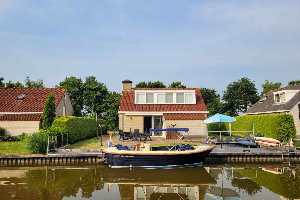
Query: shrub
pixel 9 138
pixel 78 128
pixel 2 131
pixel 277 126
pixel 22 136
pixel 37 142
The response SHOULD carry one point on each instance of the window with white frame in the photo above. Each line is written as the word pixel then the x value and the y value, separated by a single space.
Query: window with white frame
pixel 180 98
pixel 149 98
pixel 169 98
pixel 188 98
pixel 161 98
pixel 141 98
pixel 282 97
pixel 277 98
pixel 165 97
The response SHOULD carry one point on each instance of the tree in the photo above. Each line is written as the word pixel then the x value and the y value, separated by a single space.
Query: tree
pixel 2 84
pixel 212 100
pixel 268 86
pixel 239 96
pixel 34 84
pixel 156 84
pixel 94 94
pixel 176 84
pixel 294 82
pixel 49 112
pixel 111 103
pixel 75 88
pixel 10 84
pixel 142 85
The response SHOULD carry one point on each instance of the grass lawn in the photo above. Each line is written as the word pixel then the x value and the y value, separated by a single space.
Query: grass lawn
pixel 87 144
pixel 13 148
pixel 297 143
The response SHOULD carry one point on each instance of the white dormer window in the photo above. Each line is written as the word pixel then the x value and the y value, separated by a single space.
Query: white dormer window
pixel 282 97
pixel 165 97
pixel 277 98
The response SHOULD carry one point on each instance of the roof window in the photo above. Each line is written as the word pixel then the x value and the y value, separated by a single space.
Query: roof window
pixel 21 96
pixel 263 99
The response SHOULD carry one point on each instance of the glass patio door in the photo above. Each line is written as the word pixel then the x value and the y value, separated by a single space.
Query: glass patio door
pixel 158 124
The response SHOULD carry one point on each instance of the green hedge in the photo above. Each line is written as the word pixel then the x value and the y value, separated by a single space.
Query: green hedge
pixel 278 126
pixel 78 128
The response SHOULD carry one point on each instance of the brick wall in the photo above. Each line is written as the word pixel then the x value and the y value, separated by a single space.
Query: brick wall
pixel 133 122
pixel 197 129
pixel 15 128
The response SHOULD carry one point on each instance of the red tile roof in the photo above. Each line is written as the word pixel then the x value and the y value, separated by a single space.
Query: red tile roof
pixel 34 100
pixel 21 117
pixel 127 102
pixel 184 116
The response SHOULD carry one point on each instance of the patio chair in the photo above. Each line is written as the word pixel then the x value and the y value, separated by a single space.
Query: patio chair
pixel 146 135
pixel 136 135
pixel 230 141
pixel 122 136
pixel 219 141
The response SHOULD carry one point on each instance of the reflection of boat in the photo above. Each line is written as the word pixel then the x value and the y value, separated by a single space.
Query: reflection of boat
pixel 271 170
pixel 175 176
pixel 165 156
pixel 147 184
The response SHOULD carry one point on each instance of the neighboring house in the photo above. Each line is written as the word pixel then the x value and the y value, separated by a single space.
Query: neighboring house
pixel 145 108
pixel 283 100
pixel 21 109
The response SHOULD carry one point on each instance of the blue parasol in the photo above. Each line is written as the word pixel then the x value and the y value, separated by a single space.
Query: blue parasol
pixel 218 118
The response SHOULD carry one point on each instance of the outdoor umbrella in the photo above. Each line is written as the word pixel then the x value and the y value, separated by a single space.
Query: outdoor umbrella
pixel 218 118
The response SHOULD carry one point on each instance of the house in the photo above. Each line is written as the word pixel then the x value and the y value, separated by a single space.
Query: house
pixel 21 109
pixel 283 100
pixel 145 108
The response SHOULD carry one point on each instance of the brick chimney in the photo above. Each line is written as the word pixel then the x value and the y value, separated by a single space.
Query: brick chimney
pixel 127 85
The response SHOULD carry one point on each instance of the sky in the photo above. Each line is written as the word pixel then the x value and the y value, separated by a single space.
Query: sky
pixel 200 43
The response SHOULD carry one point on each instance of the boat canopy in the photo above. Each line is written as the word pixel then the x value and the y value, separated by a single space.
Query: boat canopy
pixel 170 129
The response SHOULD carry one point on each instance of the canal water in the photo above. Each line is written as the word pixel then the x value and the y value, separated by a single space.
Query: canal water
pixel 211 181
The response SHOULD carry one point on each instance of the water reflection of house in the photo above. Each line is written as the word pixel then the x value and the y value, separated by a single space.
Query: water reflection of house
pixel 146 192
pixel 145 108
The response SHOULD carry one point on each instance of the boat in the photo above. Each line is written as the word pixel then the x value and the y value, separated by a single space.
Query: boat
pixel 158 157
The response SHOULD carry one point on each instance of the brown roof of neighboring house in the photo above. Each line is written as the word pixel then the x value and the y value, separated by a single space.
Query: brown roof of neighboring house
pixel 33 101
pixel 184 116
pixel 268 105
pixel 21 117
pixel 127 102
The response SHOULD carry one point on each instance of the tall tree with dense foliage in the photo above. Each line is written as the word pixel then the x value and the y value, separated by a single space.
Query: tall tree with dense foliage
pixel 268 86
pixel 111 103
pixel 94 95
pixel 294 82
pixel 10 84
pixel 239 96
pixel 49 112
pixel 34 84
pixel 176 84
pixel 157 84
pixel 75 89
pixel 2 84
pixel 212 100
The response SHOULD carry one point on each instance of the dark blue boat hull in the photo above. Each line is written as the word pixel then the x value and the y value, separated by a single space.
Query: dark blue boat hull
pixel 125 160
